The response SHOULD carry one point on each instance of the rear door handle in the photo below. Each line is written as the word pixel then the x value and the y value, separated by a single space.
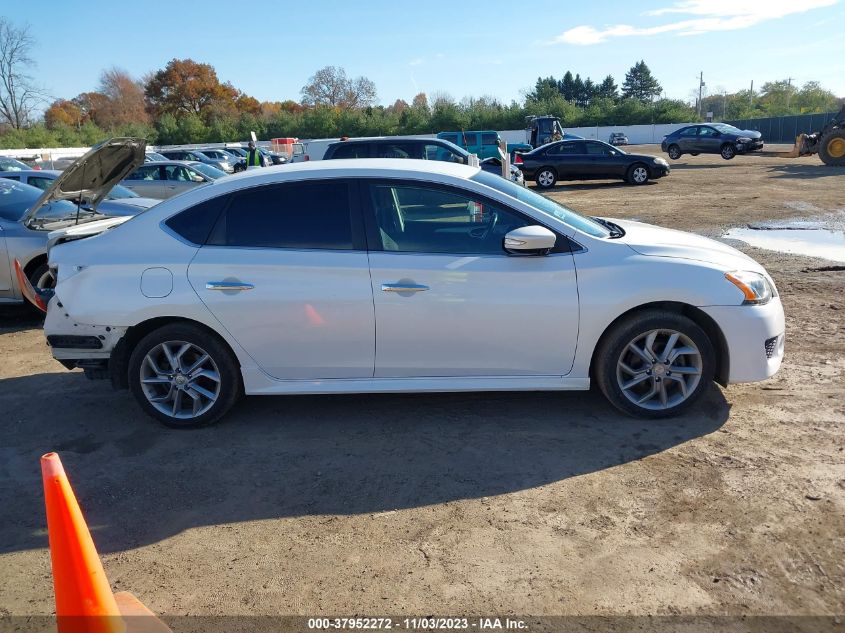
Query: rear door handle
pixel 403 288
pixel 228 285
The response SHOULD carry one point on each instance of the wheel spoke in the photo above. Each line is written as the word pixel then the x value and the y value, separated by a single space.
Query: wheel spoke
pixel 206 373
pixel 197 364
pixel 639 352
pixel 681 382
pixel 670 345
pixel 148 359
pixel 681 351
pixel 629 370
pixel 204 392
pixel 689 371
pixel 664 397
pixel 179 356
pixel 177 402
pixel 174 364
pixel 197 401
pixel 635 381
pixel 156 380
pixel 649 345
pixel 651 393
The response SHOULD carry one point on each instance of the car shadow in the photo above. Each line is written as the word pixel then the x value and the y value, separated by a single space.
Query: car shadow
pixel 805 172
pixel 577 185
pixel 16 318
pixel 683 166
pixel 139 482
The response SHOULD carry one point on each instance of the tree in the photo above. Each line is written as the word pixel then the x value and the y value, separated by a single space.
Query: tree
pixel 420 101
pixel 607 89
pixel 187 87
pixel 63 112
pixel 18 95
pixel 813 98
pixel 330 86
pixel 640 84
pixel 544 89
pixel 566 87
pixel 124 100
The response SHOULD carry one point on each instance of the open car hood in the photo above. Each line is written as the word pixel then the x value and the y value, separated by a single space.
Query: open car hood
pixel 93 175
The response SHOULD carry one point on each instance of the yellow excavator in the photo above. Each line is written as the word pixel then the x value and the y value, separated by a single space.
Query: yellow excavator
pixel 829 143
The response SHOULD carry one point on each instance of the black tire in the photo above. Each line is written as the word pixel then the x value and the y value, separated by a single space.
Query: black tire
pixel 220 355
pixel 546 178
pixel 832 148
pixel 674 152
pixel 41 278
pixel 615 343
pixel 728 151
pixel 637 174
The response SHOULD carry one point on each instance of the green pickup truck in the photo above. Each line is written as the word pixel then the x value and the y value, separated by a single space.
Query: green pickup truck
pixel 484 143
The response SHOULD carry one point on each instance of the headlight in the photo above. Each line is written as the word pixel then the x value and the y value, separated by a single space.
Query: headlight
pixel 743 141
pixel 660 161
pixel 755 287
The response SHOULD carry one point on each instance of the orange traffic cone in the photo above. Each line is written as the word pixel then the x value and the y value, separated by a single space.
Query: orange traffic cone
pixel 84 600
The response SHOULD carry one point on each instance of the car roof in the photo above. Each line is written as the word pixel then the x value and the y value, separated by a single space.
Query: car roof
pixel 330 168
pixel 31 172
pixel 164 163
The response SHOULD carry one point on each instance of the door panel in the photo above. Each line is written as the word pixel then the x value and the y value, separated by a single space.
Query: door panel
pixel 5 268
pixel 308 316
pixel 569 159
pixel 479 316
pixel 688 139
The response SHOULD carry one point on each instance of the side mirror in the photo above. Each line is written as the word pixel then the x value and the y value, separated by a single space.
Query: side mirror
pixel 530 240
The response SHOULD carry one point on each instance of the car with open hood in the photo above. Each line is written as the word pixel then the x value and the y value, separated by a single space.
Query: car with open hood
pixel 75 199
pixel 383 275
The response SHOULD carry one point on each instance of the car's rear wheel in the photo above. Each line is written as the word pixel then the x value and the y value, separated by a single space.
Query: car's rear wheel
pixel 41 277
pixel 728 151
pixel 637 174
pixel 546 178
pixel 654 364
pixel 674 152
pixel 183 377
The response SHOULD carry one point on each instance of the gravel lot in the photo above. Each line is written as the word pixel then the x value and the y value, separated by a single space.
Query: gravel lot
pixel 492 503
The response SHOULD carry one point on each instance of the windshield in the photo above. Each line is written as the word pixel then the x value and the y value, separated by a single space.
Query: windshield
pixel 153 156
pixel 542 204
pixel 208 170
pixel 17 198
pixel 724 127
pixel 11 164
pixel 119 191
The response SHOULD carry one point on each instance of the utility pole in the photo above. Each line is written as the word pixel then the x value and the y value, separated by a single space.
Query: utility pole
pixel 725 105
pixel 700 87
pixel 788 91
pixel 751 95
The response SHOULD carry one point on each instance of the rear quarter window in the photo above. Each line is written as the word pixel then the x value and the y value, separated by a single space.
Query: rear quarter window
pixel 195 223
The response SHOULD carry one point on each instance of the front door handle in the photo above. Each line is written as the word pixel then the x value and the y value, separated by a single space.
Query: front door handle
pixel 403 287
pixel 228 285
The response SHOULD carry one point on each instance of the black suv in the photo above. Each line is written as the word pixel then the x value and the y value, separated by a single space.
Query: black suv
pixel 418 147
pixel 711 138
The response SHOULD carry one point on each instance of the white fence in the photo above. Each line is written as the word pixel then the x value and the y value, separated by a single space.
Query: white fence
pixel 637 135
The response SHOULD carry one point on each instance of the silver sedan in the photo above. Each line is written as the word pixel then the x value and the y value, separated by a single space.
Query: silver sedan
pixel 166 179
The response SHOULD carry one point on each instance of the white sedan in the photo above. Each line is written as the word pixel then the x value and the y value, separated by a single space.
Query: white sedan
pixel 402 276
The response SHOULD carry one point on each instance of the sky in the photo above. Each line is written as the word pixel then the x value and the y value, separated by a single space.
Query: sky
pixel 460 47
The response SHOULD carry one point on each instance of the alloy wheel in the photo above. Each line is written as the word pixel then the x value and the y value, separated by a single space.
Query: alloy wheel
pixel 546 178
pixel 640 175
pixel 180 379
pixel 659 369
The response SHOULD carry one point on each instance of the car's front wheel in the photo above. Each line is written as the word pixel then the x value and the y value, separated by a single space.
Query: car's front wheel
pixel 654 364
pixel 546 178
pixel 183 376
pixel 728 151
pixel 674 152
pixel 637 174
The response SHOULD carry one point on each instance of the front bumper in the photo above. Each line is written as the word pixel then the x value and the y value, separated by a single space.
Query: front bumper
pixel 658 170
pixel 755 145
pixel 754 337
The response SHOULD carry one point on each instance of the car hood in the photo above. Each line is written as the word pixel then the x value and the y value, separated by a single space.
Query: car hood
pixel 752 134
pixel 79 231
pixel 126 206
pixel 92 176
pixel 656 241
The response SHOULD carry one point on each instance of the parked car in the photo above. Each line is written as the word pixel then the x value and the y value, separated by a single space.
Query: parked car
pixel 493 165
pixel 153 157
pixel 588 160
pixel 273 158
pixel 166 179
pixel 288 281
pixel 711 138
pixel 236 163
pixel 482 143
pixel 28 215
pixel 197 156
pixel 618 138
pixel 44 178
pixel 12 164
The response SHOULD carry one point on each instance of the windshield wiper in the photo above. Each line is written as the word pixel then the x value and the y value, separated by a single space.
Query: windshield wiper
pixel 616 231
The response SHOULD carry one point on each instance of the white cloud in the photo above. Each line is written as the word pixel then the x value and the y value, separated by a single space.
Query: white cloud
pixel 419 61
pixel 710 16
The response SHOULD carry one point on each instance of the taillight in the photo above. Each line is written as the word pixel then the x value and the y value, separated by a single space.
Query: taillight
pixel 306 157
pixel 37 298
pixel 517 159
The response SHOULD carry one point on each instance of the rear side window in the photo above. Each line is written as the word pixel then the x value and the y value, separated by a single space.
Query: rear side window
pixel 292 215
pixel 566 149
pixel 489 138
pixel 471 138
pixel 351 150
pixel 452 138
pixel 399 150
pixel 195 224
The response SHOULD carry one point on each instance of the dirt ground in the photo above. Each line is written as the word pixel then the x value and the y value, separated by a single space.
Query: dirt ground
pixel 471 503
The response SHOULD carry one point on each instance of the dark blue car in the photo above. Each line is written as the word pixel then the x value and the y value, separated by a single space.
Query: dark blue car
pixel 711 138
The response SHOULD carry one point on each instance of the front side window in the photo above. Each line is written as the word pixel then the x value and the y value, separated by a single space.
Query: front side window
pixel 292 215
pixel 422 219
pixel 706 131
pixel 182 174
pixel 40 182
pixel 432 151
